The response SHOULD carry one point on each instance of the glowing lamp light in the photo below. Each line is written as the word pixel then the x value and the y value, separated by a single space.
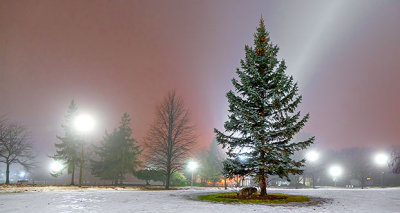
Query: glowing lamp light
pixel 22 174
pixel 335 171
pixel 312 156
pixel 381 159
pixel 192 165
pixel 56 167
pixel 84 123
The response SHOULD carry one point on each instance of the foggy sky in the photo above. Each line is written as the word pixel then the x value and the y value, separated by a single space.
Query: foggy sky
pixel 113 57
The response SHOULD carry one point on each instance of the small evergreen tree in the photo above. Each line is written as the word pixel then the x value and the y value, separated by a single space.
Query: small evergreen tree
pixel 178 179
pixel 67 150
pixel 118 153
pixel 262 118
pixel 211 163
pixel 150 175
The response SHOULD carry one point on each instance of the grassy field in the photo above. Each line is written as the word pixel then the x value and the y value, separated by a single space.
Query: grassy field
pixel 231 197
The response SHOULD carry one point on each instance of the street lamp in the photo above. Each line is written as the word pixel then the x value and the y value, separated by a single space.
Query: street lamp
pixel 56 167
pixel 192 165
pixel 21 174
pixel 83 123
pixel 312 156
pixel 381 159
pixel 335 171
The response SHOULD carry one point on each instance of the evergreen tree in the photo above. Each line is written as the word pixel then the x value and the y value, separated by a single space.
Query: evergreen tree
pixel 149 174
pixel 178 179
pixel 118 153
pixel 68 148
pixel 262 114
pixel 211 163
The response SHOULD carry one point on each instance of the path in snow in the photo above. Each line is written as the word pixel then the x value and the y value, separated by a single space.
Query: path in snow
pixel 343 200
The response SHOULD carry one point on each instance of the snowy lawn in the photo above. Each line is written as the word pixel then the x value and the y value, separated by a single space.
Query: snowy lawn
pixel 340 200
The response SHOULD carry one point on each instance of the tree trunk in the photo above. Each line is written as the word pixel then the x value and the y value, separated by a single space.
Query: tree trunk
pixel 7 172
pixel 313 181
pixel 73 175
pixel 362 182
pixel 225 185
pixel 81 167
pixel 167 179
pixel 263 184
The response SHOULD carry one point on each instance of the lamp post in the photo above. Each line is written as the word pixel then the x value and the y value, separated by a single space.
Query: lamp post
pixel 83 123
pixel 192 165
pixel 335 171
pixel 312 156
pixel 381 159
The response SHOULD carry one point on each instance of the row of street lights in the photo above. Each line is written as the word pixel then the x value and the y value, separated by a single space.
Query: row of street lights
pixel 336 171
pixel 312 156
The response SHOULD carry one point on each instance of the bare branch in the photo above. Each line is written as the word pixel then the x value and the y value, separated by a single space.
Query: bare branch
pixel 171 137
pixel 15 147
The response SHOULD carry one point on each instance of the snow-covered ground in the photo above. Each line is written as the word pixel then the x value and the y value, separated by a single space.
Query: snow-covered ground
pixel 341 200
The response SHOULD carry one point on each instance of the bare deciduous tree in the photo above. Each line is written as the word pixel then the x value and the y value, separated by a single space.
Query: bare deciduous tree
pixel 15 147
pixel 170 138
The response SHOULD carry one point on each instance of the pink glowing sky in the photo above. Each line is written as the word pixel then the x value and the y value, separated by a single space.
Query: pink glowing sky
pixel 124 56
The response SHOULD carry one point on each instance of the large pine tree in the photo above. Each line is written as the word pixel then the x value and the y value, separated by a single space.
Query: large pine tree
pixel 118 153
pixel 67 150
pixel 262 114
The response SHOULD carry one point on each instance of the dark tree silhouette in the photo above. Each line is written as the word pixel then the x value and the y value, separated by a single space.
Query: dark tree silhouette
pixel 15 148
pixel 211 166
pixel 170 137
pixel 118 153
pixel 395 162
pixel 68 147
